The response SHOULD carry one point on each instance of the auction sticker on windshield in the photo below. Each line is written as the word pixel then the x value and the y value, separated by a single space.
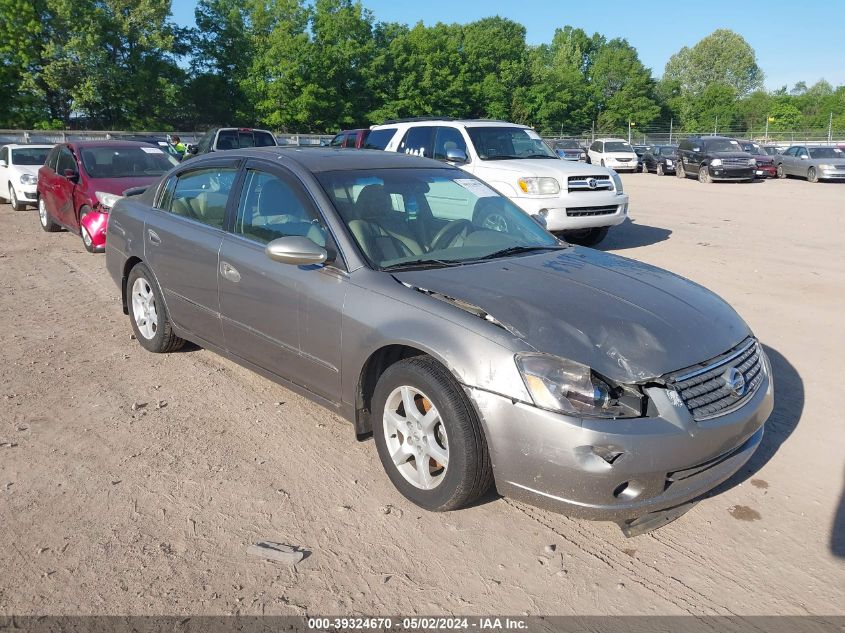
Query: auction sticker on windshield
pixel 152 150
pixel 476 187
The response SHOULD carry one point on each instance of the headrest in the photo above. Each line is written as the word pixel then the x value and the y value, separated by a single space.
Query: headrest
pixel 373 202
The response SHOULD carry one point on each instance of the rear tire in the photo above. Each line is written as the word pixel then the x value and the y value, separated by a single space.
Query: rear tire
pixel 148 314
pixel 44 218
pixel 17 205
pixel 459 437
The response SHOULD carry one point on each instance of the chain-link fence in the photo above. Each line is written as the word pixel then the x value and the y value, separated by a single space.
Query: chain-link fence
pixel 669 136
pixel 63 136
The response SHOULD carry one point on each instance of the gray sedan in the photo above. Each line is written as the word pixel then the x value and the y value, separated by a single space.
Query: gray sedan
pixel 812 163
pixel 413 300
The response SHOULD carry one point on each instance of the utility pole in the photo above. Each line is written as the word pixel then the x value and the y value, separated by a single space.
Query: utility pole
pixel 629 132
pixel 830 128
pixel 671 121
pixel 716 125
pixel 767 127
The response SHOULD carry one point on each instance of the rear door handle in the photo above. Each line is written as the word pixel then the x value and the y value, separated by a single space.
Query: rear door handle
pixel 154 238
pixel 229 272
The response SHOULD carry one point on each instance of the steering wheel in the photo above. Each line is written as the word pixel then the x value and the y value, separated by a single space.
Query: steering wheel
pixel 449 232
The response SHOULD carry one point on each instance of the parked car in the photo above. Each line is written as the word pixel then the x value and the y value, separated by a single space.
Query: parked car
pixel 812 163
pixel 661 159
pixel 772 150
pixel 614 153
pixel 578 201
pixel 350 138
pixel 226 138
pixel 641 151
pixel 714 158
pixel 475 352
pixel 569 149
pixel 765 163
pixel 80 182
pixel 19 173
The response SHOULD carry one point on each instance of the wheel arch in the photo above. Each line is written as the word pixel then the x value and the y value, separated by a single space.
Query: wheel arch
pixel 128 265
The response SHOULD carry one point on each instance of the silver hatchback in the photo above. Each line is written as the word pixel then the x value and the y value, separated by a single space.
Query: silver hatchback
pixel 415 301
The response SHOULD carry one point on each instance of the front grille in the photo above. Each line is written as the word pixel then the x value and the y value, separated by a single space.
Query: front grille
pixel 735 162
pixel 705 390
pixel 582 183
pixel 622 160
pixel 580 212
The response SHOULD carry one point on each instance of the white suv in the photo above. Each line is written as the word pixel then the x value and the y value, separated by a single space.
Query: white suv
pixel 581 201
pixel 614 153
pixel 19 173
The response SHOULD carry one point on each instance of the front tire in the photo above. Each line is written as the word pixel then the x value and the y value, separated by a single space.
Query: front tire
pixel 588 237
pixel 87 242
pixel 148 314
pixel 44 218
pixel 680 172
pixel 428 437
pixel 660 171
pixel 781 173
pixel 704 175
pixel 812 175
pixel 17 205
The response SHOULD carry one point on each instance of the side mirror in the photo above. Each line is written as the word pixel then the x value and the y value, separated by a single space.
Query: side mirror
pixel 3 163
pixel 541 220
pixel 696 149
pixel 296 250
pixel 71 174
pixel 803 157
pixel 456 156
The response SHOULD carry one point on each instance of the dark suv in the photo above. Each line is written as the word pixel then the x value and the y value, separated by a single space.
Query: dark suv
pixel 714 158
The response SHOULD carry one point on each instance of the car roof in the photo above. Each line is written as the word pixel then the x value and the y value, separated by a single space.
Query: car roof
pixel 25 145
pixel 108 143
pixel 612 138
pixel 448 121
pixel 321 159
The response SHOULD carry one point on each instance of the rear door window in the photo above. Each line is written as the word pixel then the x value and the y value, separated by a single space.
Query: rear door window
pixel 378 139
pixel 202 195
pixel 417 141
pixel 447 138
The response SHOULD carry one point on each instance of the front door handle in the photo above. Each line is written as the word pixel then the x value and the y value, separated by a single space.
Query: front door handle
pixel 154 238
pixel 229 272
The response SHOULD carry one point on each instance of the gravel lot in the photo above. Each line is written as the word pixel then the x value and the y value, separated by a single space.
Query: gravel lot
pixel 132 483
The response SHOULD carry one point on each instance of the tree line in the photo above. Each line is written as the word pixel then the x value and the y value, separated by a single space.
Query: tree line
pixel 329 64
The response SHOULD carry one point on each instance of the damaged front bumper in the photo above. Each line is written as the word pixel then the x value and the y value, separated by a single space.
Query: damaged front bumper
pixel 618 470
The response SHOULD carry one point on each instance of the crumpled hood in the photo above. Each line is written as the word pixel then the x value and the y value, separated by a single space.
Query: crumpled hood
pixel 118 185
pixel 627 320
pixel 555 167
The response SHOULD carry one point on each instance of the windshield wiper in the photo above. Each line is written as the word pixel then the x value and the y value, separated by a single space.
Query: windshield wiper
pixel 424 263
pixel 512 250
pixel 540 156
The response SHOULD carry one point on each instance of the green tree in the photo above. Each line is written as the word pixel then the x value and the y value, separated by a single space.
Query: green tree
pixel 723 57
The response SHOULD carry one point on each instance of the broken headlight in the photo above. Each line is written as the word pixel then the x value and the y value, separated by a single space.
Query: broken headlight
pixel 563 385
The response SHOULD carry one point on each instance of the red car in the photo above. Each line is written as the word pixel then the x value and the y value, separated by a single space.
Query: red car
pixel 79 182
pixel 765 162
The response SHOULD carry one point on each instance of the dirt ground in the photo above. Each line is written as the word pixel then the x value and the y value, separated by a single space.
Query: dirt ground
pixel 133 483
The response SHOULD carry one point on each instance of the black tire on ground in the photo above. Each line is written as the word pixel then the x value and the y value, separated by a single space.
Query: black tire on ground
pixel 680 172
pixel 17 205
pixel 812 175
pixel 587 237
pixel 602 162
pixel 164 340
pixel 44 218
pixel 469 472
pixel 86 238
pixel 704 174
pixel 659 171
pixel 781 173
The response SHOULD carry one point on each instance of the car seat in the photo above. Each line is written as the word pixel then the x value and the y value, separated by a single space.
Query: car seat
pixel 378 220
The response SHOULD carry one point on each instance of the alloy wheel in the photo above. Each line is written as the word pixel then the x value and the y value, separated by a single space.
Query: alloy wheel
pixel 416 438
pixel 13 198
pixel 144 308
pixel 42 212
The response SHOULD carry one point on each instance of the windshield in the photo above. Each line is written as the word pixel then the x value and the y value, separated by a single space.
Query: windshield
pixel 826 152
pixel 125 162
pixel 667 150
pixel 752 148
pixel 567 145
pixel 617 146
pixel 723 145
pixel 771 151
pixel 507 143
pixel 30 156
pixel 405 218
